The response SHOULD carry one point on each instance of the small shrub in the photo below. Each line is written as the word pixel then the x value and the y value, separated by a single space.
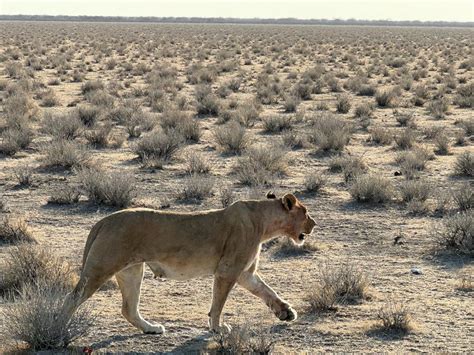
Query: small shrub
pixel 37 318
pixel 231 137
pixel 196 188
pixel 457 232
pixel 438 108
pixel 197 164
pixel 293 139
pixel 159 145
pixel 337 285
pixel 463 197
pixel 243 340
pixel 330 133
pixel 24 176
pixel 343 104
pixel 363 110
pixel 64 153
pixel 405 118
pixel 29 264
pixel 90 86
pixel 181 122
pixel 367 90
pixel 14 139
pixel 65 195
pixel 290 103
pixel 315 182
pixel 15 231
pixel 465 96
pixel 112 189
pixel 62 126
pixel 285 248
pixel 386 98
pixel 88 114
pixel 381 136
pixel 406 139
pixel 441 142
pixel 418 190
pixel 464 165
pixel 371 188
pixel 207 102
pixel 395 317
pixel 99 136
pixel 276 124
pixel 346 163
pixel 261 164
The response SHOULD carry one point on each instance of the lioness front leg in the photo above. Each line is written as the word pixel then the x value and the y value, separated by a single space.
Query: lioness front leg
pixel 221 289
pixel 251 281
pixel 130 281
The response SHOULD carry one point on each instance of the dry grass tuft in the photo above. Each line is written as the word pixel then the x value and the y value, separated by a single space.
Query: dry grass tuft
pixel 104 188
pixel 457 232
pixel 343 284
pixel 371 188
pixel 395 318
pixel 244 339
pixel 15 231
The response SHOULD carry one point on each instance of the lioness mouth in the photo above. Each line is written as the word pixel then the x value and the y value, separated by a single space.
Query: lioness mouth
pixel 301 236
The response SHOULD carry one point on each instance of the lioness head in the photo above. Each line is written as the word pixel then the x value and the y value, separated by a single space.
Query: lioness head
pixel 298 222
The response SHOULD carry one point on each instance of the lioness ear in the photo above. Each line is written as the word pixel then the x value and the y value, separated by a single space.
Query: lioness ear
pixel 288 201
pixel 271 195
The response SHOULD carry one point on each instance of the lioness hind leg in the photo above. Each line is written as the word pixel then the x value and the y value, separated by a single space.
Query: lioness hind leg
pixel 130 281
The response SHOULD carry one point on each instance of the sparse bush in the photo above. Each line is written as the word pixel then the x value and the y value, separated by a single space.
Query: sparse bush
pixel 314 182
pixel 386 98
pixel 62 126
pixel 463 197
pixel 231 137
pixel 395 317
pixel 15 231
pixel 276 124
pixel 196 188
pixel 197 164
pixel 29 264
pixel 371 188
pixel 159 145
pixel 337 285
pixel 441 142
pixel 285 247
pixel 183 123
pixel 346 162
pixel 439 108
pixel 464 165
pixel 293 139
pixel 330 132
pixel 37 318
pixel 406 139
pixel 90 86
pixel 418 190
pixel 363 110
pixel 381 136
pixel 243 340
pixel 290 103
pixel 88 114
pixel 49 99
pixel 457 232
pixel 405 118
pixel 207 102
pixel 411 162
pixel 24 176
pixel 65 195
pixel 343 104
pixel 261 164
pixel 14 139
pixel 112 189
pixel 64 153
pixel 465 96
pixel 99 136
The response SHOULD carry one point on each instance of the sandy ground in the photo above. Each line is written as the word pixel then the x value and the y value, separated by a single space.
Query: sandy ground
pixel 346 231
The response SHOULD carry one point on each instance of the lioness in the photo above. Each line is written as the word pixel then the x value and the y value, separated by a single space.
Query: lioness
pixel 180 246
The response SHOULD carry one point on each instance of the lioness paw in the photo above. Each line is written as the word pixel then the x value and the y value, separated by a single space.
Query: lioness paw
pixel 154 329
pixel 287 314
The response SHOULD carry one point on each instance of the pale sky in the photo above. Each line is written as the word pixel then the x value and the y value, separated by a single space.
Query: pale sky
pixel 424 10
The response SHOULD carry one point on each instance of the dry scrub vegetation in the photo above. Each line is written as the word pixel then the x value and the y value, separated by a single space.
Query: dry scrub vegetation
pixel 371 127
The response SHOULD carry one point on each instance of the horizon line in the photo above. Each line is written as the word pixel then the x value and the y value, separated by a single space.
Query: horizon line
pixel 243 20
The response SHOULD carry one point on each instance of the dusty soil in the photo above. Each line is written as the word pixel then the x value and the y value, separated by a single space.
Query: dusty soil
pixel 363 234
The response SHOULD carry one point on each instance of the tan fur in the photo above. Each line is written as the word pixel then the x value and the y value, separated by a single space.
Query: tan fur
pixel 224 243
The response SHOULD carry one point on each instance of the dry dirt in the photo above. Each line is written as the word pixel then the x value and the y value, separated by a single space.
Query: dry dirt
pixel 346 230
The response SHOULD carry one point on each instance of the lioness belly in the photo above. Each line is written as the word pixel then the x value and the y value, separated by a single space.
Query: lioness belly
pixel 180 272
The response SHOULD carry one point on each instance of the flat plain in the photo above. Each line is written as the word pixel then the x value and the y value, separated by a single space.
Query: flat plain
pixel 370 127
